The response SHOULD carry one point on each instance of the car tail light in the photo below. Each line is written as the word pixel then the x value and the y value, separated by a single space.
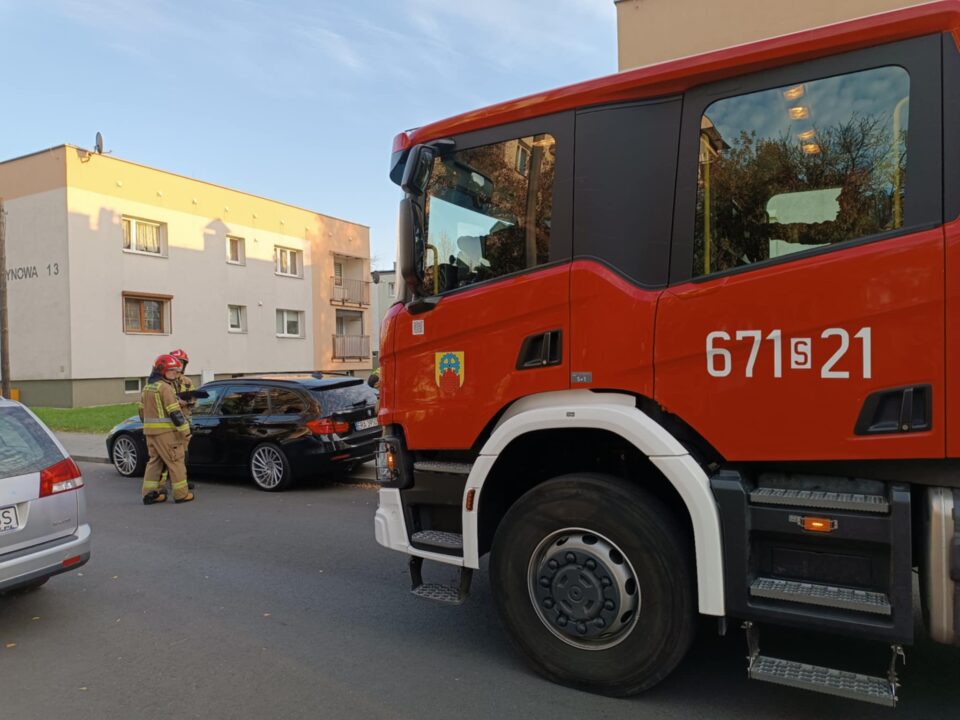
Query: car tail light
pixel 63 476
pixel 328 426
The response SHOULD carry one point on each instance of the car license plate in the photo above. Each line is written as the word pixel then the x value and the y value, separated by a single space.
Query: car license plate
pixel 366 424
pixel 8 518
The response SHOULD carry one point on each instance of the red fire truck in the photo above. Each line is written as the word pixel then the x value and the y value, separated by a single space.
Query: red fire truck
pixel 679 341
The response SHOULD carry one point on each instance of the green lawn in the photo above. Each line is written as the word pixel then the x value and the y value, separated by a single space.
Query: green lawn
pixel 85 419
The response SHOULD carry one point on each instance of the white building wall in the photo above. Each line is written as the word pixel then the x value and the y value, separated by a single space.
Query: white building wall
pixel 38 286
pixel 202 283
pixel 380 301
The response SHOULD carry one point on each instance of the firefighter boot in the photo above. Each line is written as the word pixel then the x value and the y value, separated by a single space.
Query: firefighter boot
pixel 152 491
pixel 181 492
pixel 153 497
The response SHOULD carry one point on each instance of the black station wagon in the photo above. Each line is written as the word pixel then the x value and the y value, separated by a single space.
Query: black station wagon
pixel 275 428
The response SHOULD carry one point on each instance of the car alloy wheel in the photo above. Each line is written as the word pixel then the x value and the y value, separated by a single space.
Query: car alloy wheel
pixel 126 455
pixel 269 468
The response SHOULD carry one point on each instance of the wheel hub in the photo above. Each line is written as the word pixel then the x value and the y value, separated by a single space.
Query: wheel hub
pixel 583 589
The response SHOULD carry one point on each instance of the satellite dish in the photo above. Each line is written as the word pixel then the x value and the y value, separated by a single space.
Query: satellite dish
pixel 98 144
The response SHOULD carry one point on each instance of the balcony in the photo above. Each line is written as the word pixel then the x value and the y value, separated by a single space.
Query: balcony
pixel 347 291
pixel 351 347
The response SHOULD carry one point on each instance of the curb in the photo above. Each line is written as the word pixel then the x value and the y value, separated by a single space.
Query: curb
pixel 358 479
pixel 365 478
pixel 91 459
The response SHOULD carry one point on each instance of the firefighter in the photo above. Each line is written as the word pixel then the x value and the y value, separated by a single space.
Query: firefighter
pixel 166 430
pixel 184 385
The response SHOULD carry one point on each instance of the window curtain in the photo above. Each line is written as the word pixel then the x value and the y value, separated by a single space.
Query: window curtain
pixel 148 238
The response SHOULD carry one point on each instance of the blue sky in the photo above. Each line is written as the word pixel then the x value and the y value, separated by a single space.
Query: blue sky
pixel 297 101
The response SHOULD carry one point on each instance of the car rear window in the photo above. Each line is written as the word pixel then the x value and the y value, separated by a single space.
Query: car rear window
pixel 344 399
pixel 25 446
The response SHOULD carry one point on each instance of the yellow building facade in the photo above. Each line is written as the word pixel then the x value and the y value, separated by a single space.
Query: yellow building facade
pixel 653 31
pixel 111 263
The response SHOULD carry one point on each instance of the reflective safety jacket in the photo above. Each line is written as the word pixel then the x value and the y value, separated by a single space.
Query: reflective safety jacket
pixel 161 409
pixel 185 384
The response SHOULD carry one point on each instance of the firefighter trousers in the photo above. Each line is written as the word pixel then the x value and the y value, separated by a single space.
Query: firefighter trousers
pixel 167 452
pixel 163 474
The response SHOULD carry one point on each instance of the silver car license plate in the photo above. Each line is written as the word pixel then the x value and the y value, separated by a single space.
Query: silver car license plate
pixel 366 424
pixel 8 518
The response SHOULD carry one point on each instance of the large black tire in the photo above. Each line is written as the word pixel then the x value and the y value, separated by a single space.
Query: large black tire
pixel 269 468
pixel 128 456
pixel 540 568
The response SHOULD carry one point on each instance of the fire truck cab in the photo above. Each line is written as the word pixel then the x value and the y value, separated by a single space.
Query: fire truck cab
pixel 686 340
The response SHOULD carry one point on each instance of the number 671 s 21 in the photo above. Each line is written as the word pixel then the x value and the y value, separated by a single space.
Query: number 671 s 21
pixel 799 350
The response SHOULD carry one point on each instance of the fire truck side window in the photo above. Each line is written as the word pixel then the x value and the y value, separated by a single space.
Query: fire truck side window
pixel 489 212
pixel 799 167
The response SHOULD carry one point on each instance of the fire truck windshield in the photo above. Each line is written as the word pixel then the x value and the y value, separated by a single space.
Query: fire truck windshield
pixel 487 212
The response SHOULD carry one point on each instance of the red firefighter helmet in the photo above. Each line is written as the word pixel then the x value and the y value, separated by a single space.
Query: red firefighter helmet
pixel 166 362
pixel 180 355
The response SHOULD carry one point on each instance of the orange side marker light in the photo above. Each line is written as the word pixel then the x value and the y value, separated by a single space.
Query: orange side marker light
pixel 815 524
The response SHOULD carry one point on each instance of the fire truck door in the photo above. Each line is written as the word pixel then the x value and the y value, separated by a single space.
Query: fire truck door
pixel 492 322
pixel 951 212
pixel 806 316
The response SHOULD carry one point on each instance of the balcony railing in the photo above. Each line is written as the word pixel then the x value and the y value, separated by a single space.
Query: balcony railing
pixel 349 291
pixel 350 347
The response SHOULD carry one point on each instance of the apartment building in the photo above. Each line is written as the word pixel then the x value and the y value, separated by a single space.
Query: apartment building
pixel 111 263
pixel 384 295
pixel 652 31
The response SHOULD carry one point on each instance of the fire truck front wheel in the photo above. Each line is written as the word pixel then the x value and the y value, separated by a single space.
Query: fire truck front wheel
pixel 593 580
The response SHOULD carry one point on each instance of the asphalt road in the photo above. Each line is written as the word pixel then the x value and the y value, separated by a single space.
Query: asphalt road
pixel 245 604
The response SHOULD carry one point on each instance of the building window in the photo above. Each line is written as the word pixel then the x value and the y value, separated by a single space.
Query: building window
pixel 146 314
pixel 338 274
pixel 392 289
pixel 288 262
pixel 799 167
pixel 237 318
pixel 144 236
pixel 289 323
pixel 236 250
pixel 523 159
pixel 132 386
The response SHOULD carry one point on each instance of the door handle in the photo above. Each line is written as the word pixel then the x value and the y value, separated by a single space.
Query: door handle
pixel 541 350
pixel 896 410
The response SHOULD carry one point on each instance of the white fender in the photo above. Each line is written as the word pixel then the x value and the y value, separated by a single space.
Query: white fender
pixel 619 415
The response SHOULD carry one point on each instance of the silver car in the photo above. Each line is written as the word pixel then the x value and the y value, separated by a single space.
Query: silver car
pixel 43 513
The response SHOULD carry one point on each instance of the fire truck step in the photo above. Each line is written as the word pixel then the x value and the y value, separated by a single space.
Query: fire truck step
pixel 825 595
pixel 820 499
pixel 438 539
pixel 450 468
pixel 438 592
pixel 855 686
